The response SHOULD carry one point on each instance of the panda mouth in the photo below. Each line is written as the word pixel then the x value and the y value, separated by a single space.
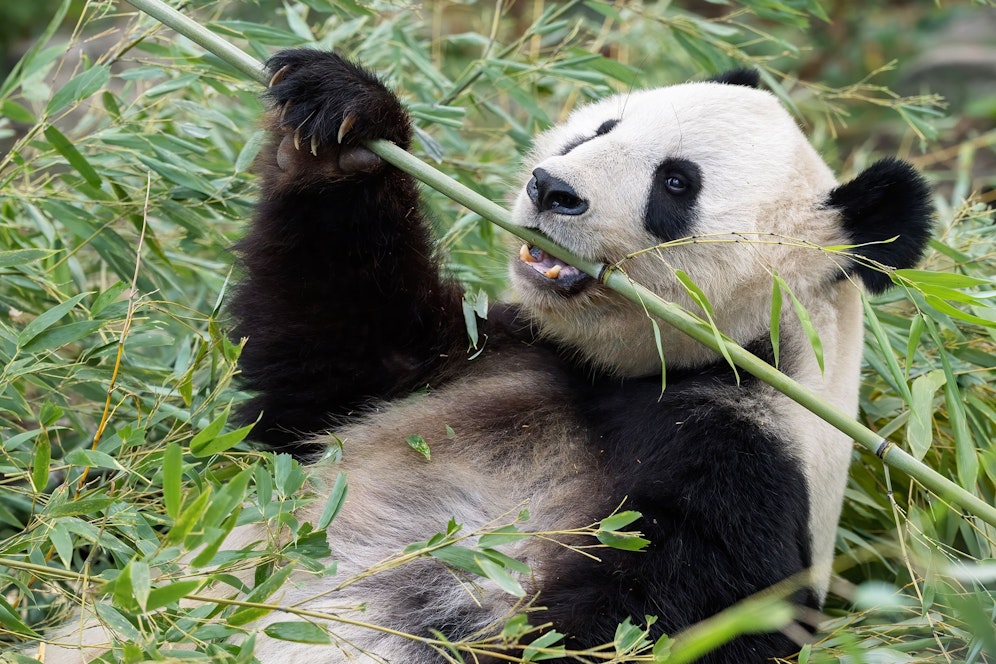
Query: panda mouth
pixel 550 271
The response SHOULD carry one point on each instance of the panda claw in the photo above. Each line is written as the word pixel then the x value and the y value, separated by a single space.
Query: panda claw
pixel 283 113
pixel 347 124
pixel 297 138
pixel 314 145
pixel 279 75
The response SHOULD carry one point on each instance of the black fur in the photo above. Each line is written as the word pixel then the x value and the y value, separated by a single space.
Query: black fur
pixel 717 493
pixel 341 300
pixel 671 214
pixel 887 212
pixel 750 78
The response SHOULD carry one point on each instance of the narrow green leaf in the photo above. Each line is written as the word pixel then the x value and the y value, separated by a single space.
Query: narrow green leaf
pixel 775 325
pixel 57 337
pixel 807 327
pixel 87 506
pixel 662 649
pixel 47 320
pixel 16 112
pixel 211 441
pixel 418 444
pixel 619 520
pixel 885 350
pixel 170 593
pixel 79 88
pixel 628 637
pixel 694 292
pixel 916 331
pixel 504 535
pixel 949 280
pixel 623 541
pixel 298 632
pixel 117 623
pixel 919 428
pixel 336 499
pixel 188 518
pixel 227 498
pixel 62 541
pixel 173 479
pixel 132 586
pixel 65 147
pixel 213 538
pixel 500 576
pixel 259 595
pixel 40 461
pixel 92 459
pixel 21 257
pixel 545 642
pixel 11 621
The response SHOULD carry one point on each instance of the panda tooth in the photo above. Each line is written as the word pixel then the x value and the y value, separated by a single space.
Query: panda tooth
pixel 524 254
pixel 553 272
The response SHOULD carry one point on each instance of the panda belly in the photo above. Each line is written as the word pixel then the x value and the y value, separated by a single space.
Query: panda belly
pixel 516 445
pixel 724 505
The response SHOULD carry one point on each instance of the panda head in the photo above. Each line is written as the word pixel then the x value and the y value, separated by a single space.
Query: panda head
pixel 714 179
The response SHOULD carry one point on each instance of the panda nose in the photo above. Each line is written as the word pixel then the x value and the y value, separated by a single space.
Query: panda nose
pixel 551 194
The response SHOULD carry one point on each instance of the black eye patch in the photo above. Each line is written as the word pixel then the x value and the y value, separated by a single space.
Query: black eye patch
pixel 671 205
pixel 602 130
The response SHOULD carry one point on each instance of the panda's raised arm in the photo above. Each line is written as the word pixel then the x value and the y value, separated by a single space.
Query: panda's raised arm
pixel 341 300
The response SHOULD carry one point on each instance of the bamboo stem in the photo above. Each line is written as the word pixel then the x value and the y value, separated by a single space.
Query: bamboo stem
pixel 615 279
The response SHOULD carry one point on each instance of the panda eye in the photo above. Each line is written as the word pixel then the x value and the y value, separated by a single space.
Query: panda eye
pixel 675 184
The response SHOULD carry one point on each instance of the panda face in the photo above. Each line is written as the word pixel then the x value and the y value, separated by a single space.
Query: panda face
pixel 724 163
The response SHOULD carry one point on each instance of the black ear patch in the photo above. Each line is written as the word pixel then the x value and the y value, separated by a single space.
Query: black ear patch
pixel 750 78
pixel 889 199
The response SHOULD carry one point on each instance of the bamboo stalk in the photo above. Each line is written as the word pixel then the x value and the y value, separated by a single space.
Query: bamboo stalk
pixel 668 312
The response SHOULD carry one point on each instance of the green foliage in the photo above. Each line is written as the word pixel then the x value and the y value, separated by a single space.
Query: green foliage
pixel 117 459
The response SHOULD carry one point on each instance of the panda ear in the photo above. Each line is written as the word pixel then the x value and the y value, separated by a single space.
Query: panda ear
pixel 747 77
pixel 887 212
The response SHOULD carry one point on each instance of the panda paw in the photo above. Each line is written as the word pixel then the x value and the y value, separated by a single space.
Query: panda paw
pixel 326 108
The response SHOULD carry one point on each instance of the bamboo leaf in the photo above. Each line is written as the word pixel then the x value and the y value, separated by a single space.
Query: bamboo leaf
pixel 47 320
pixel 170 593
pixel 72 155
pixel 418 444
pixel 117 623
pixel 500 576
pixel 80 87
pixel 40 461
pixel 335 501
pixel 298 632
pixel 259 595
pixel 11 621
pixel 919 429
pixel 21 257
pixel 776 318
pixel 173 479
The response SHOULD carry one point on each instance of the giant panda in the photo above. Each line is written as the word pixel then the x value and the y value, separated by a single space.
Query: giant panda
pixel 354 338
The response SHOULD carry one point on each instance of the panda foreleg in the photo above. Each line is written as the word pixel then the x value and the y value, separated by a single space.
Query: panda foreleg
pixel 341 300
